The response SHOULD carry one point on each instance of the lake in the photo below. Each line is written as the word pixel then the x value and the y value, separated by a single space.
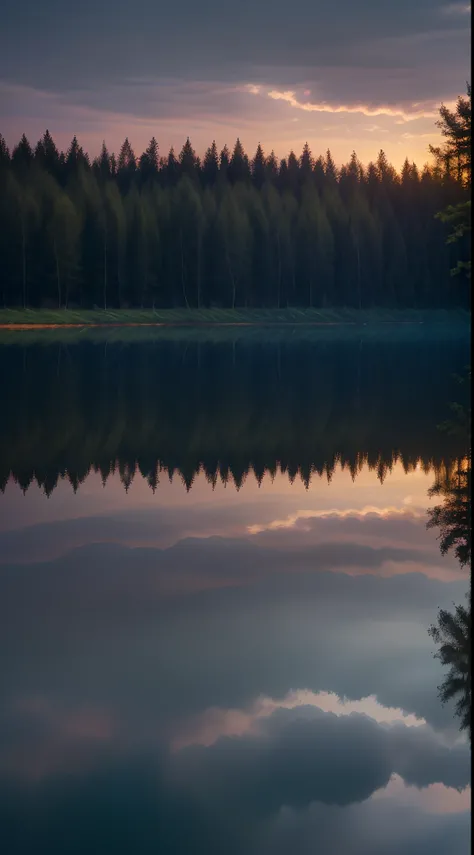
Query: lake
pixel 216 586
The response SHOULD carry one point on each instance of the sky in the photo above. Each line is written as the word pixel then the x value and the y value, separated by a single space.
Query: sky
pixel 343 76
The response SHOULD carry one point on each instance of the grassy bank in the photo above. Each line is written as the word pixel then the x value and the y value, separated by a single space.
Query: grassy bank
pixel 245 327
pixel 217 317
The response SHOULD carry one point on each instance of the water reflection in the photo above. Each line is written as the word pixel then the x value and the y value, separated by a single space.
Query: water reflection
pixel 219 670
pixel 452 632
pixel 177 409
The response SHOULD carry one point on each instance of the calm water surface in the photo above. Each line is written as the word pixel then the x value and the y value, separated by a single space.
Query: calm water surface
pixel 216 584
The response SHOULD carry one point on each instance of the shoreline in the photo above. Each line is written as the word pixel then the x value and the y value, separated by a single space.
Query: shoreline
pixel 25 320
pixel 19 327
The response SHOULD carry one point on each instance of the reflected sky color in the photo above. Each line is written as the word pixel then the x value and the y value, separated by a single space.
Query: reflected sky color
pixel 150 654
pixel 223 670
pixel 276 514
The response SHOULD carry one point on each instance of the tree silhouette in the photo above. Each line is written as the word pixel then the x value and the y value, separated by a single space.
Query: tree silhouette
pixel 453 516
pixel 239 167
pixel 353 237
pixel 455 127
pixel 258 167
pixel 452 631
pixel 22 154
pixel 456 156
pixel 4 154
pixel 210 166
pixel 149 162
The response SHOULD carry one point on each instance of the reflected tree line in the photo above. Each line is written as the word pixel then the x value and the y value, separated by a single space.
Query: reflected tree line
pixel 169 409
pixel 232 230
pixel 452 518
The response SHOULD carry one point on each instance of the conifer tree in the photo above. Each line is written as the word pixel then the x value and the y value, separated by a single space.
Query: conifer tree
pixel 239 168
pixel 188 160
pixel 258 168
pixel 22 154
pixel 210 166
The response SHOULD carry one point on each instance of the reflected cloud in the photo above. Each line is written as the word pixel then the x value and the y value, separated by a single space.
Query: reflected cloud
pixel 456 9
pixel 372 827
pixel 296 761
pixel 216 723
pixel 334 513
pixel 291 759
pixel 166 634
pixel 270 689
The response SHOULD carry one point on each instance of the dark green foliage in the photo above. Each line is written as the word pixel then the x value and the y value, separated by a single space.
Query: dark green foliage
pixel 452 633
pixel 239 167
pixel 454 160
pixel 188 160
pixel 22 155
pixel 126 166
pixel 210 165
pixel 228 232
pixel 75 158
pixel 258 168
pixel 454 157
pixel 47 155
pixel 453 519
pixel 4 154
pixel 149 163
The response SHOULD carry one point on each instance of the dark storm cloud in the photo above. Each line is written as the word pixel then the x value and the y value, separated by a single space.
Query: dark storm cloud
pixel 96 664
pixel 228 796
pixel 306 755
pixel 347 51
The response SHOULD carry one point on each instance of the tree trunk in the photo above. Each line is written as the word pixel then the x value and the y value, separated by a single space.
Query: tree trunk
pixel 279 272
pixel 358 273
pixel 232 279
pixel 23 254
pixel 58 278
pixel 199 274
pixel 119 282
pixel 105 272
pixel 183 286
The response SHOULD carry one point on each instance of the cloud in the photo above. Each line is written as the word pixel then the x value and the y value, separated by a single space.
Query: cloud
pixel 243 795
pixel 360 514
pixel 456 9
pixel 138 577
pixel 304 755
pixel 149 75
pixel 370 827
pixel 381 539
pixel 152 42
pixel 206 728
pixel 158 526
pixel 163 635
pixel 406 114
